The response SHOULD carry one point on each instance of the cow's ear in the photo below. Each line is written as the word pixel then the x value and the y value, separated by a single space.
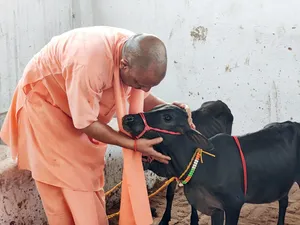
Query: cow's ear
pixel 199 139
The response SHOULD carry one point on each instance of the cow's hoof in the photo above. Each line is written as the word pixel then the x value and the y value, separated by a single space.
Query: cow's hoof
pixel 153 212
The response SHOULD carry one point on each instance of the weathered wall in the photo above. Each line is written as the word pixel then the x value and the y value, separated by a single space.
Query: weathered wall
pixel 25 26
pixel 245 53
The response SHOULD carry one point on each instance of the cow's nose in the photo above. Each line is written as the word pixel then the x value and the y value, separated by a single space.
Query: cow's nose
pixel 129 119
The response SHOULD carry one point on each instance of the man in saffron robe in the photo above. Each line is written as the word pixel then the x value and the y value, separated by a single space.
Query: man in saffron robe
pixel 56 126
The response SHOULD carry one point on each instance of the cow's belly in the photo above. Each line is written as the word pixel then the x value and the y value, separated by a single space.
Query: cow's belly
pixel 202 200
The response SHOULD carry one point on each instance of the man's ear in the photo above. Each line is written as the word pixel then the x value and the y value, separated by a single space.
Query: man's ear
pixel 123 64
pixel 199 139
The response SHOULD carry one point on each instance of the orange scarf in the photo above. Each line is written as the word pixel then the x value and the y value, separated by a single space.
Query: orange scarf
pixel 135 207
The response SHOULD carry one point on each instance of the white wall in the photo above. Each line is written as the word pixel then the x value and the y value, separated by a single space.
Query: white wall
pixel 25 26
pixel 239 54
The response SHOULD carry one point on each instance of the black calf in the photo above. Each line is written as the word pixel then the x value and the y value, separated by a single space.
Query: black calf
pixel 271 154
pixel 211 118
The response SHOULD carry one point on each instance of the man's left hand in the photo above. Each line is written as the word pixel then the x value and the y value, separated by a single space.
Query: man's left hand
pixel 189 112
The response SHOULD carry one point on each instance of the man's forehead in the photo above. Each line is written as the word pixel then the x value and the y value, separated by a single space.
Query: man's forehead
pixel 148 78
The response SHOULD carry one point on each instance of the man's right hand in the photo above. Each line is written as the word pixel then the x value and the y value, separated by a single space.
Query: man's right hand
pixel 105 134
pixel 145 146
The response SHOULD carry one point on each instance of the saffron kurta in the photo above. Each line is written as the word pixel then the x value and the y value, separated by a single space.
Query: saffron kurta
pixel 67 86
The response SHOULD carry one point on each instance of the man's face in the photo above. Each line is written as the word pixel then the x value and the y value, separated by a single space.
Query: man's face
pixel 139 78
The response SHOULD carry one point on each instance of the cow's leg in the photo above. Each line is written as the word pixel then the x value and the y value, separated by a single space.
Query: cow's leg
pixel 283 204
pixel 232 215
pixel 170 196
pixel 217 217
pixel 194 216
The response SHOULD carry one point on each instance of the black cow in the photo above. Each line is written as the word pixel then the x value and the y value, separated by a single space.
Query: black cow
pixel 211 118
pixel 271 155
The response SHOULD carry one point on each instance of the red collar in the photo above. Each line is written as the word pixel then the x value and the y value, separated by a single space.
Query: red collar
pixel 243 163
pixel 147 127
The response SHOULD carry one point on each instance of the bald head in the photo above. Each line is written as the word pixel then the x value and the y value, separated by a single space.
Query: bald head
pixel 145 51
pixel 143 63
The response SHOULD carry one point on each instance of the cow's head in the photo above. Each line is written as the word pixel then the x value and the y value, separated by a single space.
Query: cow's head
pixel 213 117
pixel 179 146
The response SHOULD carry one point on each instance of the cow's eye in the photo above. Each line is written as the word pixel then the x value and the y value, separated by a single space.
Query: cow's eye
pixel 167 118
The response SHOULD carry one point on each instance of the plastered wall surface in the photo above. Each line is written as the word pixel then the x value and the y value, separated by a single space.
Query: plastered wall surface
pixel 25 27
pixel 244 53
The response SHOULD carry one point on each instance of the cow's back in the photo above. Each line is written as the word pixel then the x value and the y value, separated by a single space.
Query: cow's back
pixel 272 161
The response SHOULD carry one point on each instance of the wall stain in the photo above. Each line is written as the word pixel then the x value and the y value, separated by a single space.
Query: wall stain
pixel 199 34
pixel 16 47
pixel 187 2
pixel 257 41
pixel 247 61
pixel 192 94
pixel 268 103
pixel 274 98
pixel 171 34
pixel 75 13
pixel 289 48
pixel 229 69
pixel 1 31
pixel 281 31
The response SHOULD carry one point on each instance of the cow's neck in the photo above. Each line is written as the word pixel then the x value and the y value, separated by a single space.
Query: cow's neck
pixel 181 152
pixel 201 170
